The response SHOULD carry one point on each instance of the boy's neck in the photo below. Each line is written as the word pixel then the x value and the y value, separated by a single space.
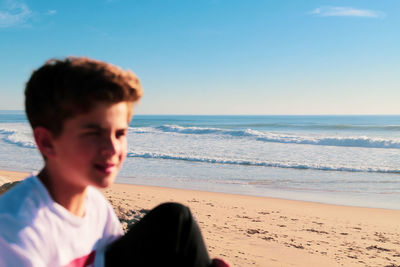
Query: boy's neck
pixel 69 196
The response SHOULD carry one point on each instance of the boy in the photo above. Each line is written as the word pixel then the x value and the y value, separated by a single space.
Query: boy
pixel 79 110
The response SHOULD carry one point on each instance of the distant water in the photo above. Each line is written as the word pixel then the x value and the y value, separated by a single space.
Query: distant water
pixel 349 160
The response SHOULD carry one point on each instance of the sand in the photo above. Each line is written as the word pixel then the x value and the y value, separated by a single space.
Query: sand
pixel 259 231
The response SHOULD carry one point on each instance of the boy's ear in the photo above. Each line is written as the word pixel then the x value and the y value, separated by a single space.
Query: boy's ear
pixel 44 141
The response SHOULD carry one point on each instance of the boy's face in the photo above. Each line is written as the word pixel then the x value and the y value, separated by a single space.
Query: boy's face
pixel 92 146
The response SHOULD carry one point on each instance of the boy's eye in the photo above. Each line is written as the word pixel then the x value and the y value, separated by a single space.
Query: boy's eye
pixel 120 133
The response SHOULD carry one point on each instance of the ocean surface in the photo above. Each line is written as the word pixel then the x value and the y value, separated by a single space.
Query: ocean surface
pixel 346 160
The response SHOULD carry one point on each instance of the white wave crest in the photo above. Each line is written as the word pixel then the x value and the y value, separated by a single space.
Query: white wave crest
pixel 320 140
pixel 153 155
pixel 189 130
pixel 351 141
pixel 18 134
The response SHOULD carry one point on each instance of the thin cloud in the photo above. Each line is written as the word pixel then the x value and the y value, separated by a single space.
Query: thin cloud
pixel 51 12
pixel 13 13
pixel 346 12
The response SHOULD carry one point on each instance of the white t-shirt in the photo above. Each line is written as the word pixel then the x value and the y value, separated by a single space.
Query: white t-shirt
pixel 36 231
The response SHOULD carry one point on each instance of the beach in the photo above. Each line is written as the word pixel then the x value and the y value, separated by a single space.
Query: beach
pixel 261 231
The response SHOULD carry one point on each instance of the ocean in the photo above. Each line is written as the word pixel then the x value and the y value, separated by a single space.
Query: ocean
pixel 345 160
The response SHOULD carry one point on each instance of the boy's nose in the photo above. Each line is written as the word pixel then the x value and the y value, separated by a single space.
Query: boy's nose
pixel 110 146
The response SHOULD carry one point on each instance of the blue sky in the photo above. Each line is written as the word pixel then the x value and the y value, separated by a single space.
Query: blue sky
pixel 218 56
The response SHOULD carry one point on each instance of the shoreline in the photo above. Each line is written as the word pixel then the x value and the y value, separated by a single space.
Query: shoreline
pixel 14 175
pixel 260 231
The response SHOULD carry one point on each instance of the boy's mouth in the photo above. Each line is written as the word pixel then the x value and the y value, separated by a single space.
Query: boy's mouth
pixel 106 168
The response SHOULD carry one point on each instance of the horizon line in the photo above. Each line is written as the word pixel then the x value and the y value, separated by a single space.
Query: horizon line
pixel 282 114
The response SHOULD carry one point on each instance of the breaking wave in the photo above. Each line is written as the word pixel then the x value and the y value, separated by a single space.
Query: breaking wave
pixel 20 137
pixel 152 155
pixel 320 140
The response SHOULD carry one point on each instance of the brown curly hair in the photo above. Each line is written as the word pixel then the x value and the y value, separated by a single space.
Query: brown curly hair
pixel 62 89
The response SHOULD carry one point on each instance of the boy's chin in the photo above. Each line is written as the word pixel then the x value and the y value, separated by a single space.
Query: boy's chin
pixel 104 182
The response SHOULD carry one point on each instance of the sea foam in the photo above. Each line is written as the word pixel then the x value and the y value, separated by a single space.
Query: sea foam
pixel 153 155
pixel 308 139
pixel 17 134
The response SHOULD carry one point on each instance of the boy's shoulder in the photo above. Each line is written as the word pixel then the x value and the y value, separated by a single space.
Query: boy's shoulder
pixel 19 208
pixel 31 223
pixel 22 198
pixel 29 199
pixel 28 207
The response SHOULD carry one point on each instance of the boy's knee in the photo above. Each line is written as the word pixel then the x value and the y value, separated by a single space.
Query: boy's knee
pixel 174 210
pixel 172 207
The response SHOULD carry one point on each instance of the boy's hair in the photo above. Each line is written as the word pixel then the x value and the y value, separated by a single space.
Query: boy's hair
pixel 62 89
